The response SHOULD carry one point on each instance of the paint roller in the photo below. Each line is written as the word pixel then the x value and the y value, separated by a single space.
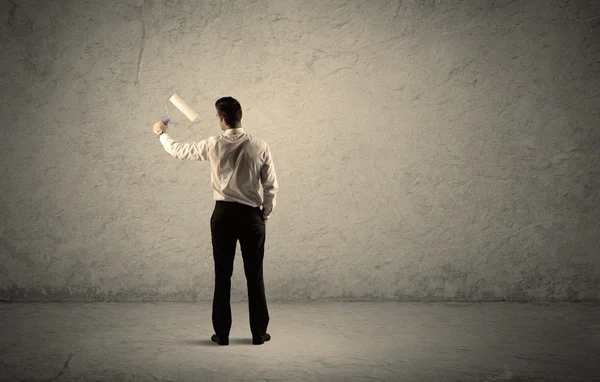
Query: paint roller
pixel 183 107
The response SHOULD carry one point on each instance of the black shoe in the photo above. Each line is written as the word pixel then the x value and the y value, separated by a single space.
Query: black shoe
pixel 220 341
pixel 261 340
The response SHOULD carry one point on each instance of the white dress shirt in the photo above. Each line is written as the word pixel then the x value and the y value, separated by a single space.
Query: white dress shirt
pixel 240 165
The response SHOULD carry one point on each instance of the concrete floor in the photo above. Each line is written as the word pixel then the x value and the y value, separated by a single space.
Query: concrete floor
pixel 352 341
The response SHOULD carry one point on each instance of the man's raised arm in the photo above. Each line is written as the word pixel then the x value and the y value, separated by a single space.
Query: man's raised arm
pixel 186 151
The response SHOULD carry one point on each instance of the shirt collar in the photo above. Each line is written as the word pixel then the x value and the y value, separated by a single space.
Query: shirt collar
pixel 236 131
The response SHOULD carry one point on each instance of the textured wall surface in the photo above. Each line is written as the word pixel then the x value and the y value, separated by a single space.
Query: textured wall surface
pixel 425 150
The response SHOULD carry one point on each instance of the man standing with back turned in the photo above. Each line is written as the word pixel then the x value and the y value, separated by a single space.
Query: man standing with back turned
pixel 240 164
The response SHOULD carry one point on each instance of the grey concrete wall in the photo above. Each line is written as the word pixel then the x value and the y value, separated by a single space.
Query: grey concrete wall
pixel 425 150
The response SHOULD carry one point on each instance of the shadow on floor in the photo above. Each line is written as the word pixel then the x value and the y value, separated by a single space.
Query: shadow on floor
pixel 208 342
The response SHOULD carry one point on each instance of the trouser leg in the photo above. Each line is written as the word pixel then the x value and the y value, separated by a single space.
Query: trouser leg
pixel 252 243
pixel 224 242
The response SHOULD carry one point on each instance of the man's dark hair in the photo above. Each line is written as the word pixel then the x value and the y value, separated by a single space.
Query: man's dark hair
pixel 229 109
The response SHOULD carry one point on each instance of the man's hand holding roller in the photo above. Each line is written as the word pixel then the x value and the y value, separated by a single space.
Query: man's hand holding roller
pixel 159 126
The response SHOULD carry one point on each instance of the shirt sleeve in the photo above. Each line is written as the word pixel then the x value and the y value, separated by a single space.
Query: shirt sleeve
pixel 269 182
pixel 186 151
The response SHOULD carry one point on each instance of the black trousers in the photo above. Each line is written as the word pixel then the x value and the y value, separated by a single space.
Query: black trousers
pixel 230 222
